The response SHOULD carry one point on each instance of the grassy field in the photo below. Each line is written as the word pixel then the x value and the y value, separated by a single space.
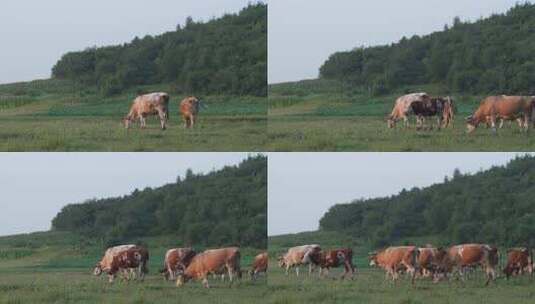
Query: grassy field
pixel 56 268
pixel 369 285
pixel 53 115
pixel 319 115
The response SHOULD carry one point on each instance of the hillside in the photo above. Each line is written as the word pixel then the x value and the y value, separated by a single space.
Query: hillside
pixel 492 55
pixel 227 55
pixel 225 207
pixel 494 206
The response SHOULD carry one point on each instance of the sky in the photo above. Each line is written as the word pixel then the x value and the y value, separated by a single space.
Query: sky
pixel 303 33
pixel 35 34
pixel 302 186
pixel 35 186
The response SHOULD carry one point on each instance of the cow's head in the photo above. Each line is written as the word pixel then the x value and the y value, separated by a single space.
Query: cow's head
pixel 471 124
pixel 281 261
pixel 98 270
pixel 372 256
pixel 181 279
pixel 126 122
pixel 390 121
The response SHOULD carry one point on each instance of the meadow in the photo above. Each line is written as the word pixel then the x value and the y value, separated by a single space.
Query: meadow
pixel 54 267
pixel 56 115
pixel 369 285
pixel 324 115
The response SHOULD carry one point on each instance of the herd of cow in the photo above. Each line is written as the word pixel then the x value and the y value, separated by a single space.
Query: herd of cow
pixel 425 262
pixel 158 104
pixel 492 110
pixel 182 264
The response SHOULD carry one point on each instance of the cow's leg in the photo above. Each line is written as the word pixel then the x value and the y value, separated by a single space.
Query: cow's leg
pixel 287 270
pixel 493 123
pixel 163 119
pixel 192 120
pixel 230 272
pixel 205 282
pixel 143 121
pixel 297 271
pixel 406 121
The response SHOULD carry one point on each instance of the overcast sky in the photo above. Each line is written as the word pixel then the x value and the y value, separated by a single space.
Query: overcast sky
pixel 303 33
pixel 35 186
pixel 302 186
pixel 36 33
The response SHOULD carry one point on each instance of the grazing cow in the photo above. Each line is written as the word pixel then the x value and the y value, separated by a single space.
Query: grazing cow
pixel 429 260
pixel 336 258
pixel 122 259
pixel 402 108
pixel 210 262
pixel 300 255
pixel 464 256
pixel 392 259
pixel 176 259
pixel 260 265
pixel 518 261
pixel 502 107
pixel 440 107
pixel 189 109
pixel 146 105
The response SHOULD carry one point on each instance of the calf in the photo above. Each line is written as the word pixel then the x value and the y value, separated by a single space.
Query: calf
pixel 518 260
pixel 260 265
pixel 189 109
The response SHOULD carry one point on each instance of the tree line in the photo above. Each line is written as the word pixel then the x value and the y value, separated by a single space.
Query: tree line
pixel 494 206
pixel 492 55
pixel 223 56
pixel 221 208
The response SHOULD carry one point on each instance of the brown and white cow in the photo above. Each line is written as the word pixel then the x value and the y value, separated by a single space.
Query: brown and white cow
pixel 260 265
pixel 429 260
pixel 518 261
pixel 147 105
pixel 300 255
pixel 122 259
pixel 393 259
pixel 210 262
pixel 189 109
pixel 176 259
pixel 336 258
pixel 403 107
pixel 461 257
pixel 502 107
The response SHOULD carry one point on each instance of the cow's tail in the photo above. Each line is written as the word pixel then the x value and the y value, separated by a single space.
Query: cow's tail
pixel 237 266
pixel 414 261
pixel 145 267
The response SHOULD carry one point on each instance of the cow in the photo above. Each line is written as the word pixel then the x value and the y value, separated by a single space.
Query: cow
pixel 260 265
pixel 518 261
pixel 176 259
pixel 300 255
pixel 392 259
pixel 402 108
pixel 189 109
pixel 442 108
pixel 461 257
pixel 146 105
pixel 337 258
pixel 209 262
pixel 121 259
pixel 502 107
pixel 429 260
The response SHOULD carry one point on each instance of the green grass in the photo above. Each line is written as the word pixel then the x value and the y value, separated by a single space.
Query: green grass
pixel 55 267
pixel 319 115
pixel 52 115
pixel 369 285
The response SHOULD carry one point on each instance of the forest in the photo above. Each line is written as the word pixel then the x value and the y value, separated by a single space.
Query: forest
pixel 495 206
pixel 225 56
pixel 492 56
pixel 220 208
